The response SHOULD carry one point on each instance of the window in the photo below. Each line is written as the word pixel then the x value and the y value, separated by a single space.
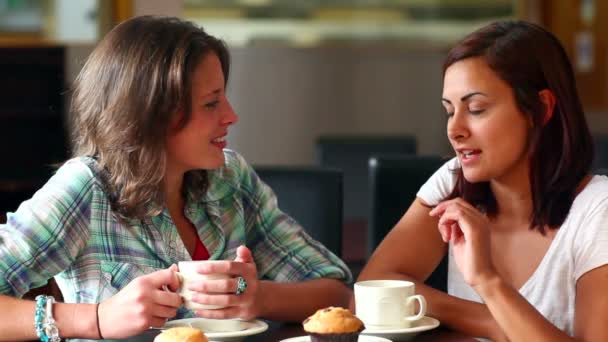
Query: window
pixel 312 22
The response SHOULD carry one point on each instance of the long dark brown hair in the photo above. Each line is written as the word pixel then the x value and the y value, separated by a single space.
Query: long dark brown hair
pixel 132 84
pixel 530 59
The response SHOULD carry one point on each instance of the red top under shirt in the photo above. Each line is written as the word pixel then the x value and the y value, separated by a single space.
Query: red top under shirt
pixel 200 252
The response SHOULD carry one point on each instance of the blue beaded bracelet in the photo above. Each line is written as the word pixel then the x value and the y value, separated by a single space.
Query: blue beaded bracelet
pixel 46 329
pixel 39 317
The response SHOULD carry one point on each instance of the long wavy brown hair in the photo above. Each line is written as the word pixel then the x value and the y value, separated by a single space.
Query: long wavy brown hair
pixel 530 59
pixel 131 85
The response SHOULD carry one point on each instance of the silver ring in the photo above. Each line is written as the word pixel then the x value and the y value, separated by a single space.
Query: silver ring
pixel 241 286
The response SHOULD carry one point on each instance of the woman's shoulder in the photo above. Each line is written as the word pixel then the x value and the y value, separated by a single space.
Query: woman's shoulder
pixel 588 229
pixel 440 184
pixel 595 192
pixel 591 202
pixel 78 170
pixel 73 182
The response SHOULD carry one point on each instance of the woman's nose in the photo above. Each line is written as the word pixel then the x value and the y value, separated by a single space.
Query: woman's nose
pixel 457 126
pixel 230 116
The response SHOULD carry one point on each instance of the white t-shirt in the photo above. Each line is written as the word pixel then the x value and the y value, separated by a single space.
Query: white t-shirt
pixel 580 245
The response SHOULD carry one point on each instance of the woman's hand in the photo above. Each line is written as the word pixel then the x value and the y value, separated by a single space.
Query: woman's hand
pixel 467 229
pixel 140 305
pixel 224 291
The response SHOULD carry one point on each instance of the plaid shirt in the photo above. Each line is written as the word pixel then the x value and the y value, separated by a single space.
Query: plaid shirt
pixel 68 230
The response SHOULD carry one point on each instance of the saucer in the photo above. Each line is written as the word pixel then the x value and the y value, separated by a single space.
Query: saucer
pixel 404 334
pixel 362 338
pixel 221 330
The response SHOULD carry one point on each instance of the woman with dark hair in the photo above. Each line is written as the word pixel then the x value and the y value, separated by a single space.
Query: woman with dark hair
pixel 151 184
pixel 517 211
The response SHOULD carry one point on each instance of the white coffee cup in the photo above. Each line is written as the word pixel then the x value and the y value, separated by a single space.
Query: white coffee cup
pixel 387 304
pixel 187 275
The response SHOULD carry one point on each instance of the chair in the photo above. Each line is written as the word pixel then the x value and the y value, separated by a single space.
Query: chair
pixel 351 154
pixel 313 197
pixel 34 130
pixel 600 162
pixel 394 182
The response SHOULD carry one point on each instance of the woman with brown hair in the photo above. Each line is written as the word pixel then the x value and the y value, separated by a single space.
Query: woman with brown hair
pixel 518 212
pixel 151 184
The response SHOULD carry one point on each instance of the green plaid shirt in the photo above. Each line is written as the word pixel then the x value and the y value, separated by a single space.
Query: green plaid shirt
pixel 67 230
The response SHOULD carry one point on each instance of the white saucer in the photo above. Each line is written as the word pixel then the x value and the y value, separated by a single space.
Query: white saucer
pixel 215 329
pixel 362 338
pixel 405 334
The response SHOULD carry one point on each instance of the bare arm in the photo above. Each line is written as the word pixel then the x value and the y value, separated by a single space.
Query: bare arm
pixel 296 301
pixel 17 319
pixel 466 228
pixel 139 305
pixel 411 251
pixel 522 322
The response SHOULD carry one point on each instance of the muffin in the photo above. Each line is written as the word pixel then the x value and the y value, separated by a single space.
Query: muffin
pixel 181 334
pixel 333 324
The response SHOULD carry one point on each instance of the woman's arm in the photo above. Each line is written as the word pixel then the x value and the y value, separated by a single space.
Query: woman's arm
pixel 296 301
pixel 522 322
pixel 466 228
pixel 17 319
pixel 411 251
pixel 592 305
pixel 141 304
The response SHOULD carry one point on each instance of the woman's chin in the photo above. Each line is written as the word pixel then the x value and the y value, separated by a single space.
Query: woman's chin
pixel 215 164
pixel 209 163
pixel 474 177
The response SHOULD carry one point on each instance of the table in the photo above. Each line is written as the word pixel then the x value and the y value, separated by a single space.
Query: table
pixel 280 331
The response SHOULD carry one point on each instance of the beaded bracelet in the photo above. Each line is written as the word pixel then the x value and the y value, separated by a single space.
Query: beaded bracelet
pixel 39 317
pixel 46 329
pixel 50 327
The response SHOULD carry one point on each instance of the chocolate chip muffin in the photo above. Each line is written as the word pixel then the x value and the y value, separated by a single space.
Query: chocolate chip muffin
pixel 181 334
pixel 333 324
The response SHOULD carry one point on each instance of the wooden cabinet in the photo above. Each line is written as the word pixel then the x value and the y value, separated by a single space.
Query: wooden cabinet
pixel 581 25
pixel 33 134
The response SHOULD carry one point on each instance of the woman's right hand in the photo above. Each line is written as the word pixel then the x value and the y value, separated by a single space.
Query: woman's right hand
pixel 142 304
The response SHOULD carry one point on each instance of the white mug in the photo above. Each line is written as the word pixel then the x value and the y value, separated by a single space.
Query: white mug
pixel 387 304
pixel 187 274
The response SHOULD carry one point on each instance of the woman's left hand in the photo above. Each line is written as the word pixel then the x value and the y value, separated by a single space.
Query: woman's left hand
pixel 224 292
pixel 467 229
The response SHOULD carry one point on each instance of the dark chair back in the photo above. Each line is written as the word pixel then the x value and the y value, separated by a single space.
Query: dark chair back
pixel 32 120
pixel 394 182
pixel 313 197
pixel 600 162
pixel 351 154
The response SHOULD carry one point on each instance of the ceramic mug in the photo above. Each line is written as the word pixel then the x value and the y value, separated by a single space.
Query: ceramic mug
pixel 187 274
pixel 388 304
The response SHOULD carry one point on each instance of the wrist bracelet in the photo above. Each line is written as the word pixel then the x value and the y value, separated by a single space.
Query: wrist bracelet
pixel 50 326
pixel 46 329
pixel 98 326
pixel 39 318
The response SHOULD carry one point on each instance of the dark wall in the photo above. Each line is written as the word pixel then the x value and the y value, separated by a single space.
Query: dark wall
pixel 33 135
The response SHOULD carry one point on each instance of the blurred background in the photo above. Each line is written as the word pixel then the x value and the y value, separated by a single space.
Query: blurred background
pixel 301 70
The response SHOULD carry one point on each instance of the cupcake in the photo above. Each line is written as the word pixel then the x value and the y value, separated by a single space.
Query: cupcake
pixel 181 334
pixel 333 324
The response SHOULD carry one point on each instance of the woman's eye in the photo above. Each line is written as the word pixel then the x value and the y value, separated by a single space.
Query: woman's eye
pixel 449 114
pixel 476 112
pixel 212 104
